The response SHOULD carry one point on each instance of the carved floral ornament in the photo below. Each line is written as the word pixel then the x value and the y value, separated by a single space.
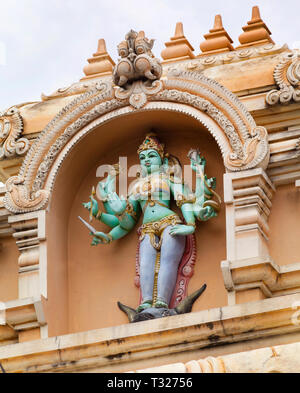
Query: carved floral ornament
pixel 242 143
pixel 11 128
pixel 287 77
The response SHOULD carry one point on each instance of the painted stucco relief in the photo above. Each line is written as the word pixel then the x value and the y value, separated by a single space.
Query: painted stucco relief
pixel 11 128
pixel 166 240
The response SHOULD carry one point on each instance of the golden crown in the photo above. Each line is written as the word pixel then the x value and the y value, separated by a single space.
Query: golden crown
pixel 151 142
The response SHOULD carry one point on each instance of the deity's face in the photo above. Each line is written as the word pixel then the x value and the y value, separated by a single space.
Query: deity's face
pixel 150 161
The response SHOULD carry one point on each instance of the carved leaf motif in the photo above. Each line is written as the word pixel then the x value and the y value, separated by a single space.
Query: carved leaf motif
pixel 11 127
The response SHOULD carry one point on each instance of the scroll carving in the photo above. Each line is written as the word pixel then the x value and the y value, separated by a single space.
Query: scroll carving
pixel 11 128
pixel 248 142
pixel 20 199
pixel 137 94
pixel 287 78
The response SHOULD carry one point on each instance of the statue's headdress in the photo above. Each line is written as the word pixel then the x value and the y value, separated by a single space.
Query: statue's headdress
pixel 151 142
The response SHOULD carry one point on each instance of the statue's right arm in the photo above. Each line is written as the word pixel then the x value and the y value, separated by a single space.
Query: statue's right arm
pixel 130 215
pixel 111 201
pixel 108 219
pixel 127 221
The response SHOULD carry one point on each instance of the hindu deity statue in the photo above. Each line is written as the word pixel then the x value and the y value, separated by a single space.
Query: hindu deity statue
pixel 163 232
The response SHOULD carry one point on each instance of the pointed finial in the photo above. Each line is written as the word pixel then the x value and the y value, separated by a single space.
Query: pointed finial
pixel 100 64
pixel 218 25
pixel 217 40
pixel 256 31
pixel 178 48
pixel 178 31
pixel 255 14
pixel 101 47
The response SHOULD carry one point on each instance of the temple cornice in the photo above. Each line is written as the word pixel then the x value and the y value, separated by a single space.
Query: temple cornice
pixel 195 336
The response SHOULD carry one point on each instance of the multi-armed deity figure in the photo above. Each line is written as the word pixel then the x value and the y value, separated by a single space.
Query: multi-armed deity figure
pixel 163 233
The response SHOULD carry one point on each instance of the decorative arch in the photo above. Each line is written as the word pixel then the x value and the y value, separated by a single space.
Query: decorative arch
pixel 243 144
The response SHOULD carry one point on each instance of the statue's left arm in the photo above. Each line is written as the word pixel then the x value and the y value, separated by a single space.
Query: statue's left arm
pixel 184 200
pixel 204 207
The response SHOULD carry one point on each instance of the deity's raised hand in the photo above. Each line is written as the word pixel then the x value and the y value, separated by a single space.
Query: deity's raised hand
pixel 196 160
pixel 117 204
pixel 102 191
pixel 88 205
pixel 206 213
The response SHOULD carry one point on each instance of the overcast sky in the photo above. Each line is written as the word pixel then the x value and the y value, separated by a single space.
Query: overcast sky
pixel 44 44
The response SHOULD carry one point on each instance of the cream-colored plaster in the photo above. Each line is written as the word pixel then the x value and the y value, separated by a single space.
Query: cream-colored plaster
pixel 152 343
pixel 278 359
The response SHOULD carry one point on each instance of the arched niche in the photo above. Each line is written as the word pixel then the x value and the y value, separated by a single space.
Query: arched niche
pixel 86 282
pixel 99 125
pixel 243 144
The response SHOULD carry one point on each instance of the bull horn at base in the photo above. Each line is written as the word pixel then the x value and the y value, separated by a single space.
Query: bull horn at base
pixel 130 312
pixel 186 305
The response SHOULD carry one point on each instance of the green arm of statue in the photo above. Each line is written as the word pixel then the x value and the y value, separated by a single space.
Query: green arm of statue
pixel 184 200
pixel 113 206
pixel 105 188
pixel 108 219
pixel 127 221
pixel 204 208
pixel 111 201
pixel 116 204
pixel 103 238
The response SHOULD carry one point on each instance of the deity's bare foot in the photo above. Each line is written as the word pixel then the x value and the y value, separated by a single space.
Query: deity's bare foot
pixel 144 305
pixel 161 304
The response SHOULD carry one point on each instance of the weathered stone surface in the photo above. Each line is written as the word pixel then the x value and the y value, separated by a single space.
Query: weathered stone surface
pixel 279 359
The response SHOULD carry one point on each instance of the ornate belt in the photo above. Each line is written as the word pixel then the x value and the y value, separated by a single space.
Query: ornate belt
pixel 156 228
